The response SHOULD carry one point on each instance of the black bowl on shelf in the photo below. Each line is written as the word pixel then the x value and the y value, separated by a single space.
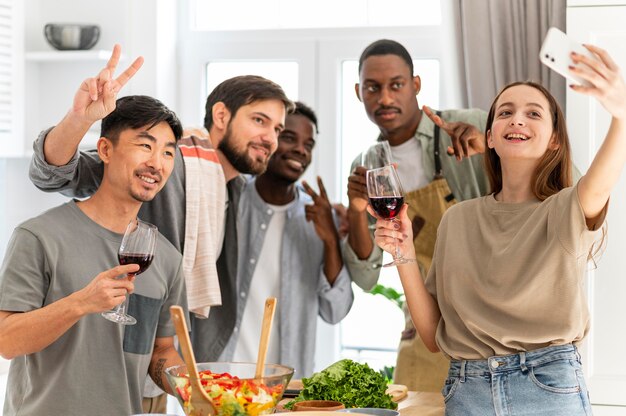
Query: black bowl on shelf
pixel 71 36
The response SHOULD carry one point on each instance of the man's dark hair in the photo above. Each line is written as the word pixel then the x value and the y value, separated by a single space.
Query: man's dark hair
pixel 306 111
pixel 136 111
pixel 386 47
pixel 243 90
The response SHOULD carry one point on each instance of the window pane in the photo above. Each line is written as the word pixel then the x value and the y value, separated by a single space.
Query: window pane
pixel 322 14
pixel 234 14
pixel 283 73
pixel 371 331
pixel 404 13
pixel 291 14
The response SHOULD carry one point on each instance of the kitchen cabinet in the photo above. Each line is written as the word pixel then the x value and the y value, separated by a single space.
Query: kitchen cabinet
pixel 602 23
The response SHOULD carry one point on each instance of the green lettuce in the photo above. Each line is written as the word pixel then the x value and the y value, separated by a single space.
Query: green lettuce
pixel 348 382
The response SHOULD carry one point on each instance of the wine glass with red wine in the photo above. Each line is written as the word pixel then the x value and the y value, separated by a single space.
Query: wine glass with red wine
pixel 386 198
pixel 376 156
pixel 137 247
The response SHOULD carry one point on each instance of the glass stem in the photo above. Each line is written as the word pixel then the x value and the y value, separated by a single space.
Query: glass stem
pixel 398 254
pixel 122 307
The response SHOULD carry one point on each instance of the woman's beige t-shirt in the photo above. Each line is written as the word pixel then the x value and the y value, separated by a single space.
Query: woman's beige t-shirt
pixel 509 277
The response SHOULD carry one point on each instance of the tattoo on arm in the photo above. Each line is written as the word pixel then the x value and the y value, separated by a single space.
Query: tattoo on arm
pixel 158 372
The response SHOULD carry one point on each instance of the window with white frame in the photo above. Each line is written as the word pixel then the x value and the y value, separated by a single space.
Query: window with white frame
pixel 284 74
pixel 322 64
pixel 298 14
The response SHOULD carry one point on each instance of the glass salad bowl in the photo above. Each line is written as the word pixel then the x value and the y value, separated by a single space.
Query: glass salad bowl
pixel 232 387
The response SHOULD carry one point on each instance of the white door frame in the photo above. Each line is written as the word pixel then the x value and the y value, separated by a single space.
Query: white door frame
pixel 587 125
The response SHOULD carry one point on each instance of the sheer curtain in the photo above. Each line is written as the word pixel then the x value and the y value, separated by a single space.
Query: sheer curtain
pixel 500 42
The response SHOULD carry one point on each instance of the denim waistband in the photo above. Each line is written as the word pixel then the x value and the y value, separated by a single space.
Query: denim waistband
pixel 518 361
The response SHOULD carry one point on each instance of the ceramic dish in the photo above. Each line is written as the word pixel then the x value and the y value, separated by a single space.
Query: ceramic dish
pixel 371 411
pixel 320 413
pixel 314 405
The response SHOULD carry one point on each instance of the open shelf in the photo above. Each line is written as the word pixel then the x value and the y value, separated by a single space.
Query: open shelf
pixel 63 56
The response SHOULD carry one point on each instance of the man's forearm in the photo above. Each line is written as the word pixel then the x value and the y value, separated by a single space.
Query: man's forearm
pixel 163 356
pixel 62 141
pixel 23 333
pixel 332 260
pixel 359 236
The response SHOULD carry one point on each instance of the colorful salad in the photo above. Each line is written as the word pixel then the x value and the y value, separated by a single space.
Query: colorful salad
pixel 231 395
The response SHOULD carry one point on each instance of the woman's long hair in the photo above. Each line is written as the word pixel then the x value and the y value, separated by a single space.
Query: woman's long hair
pixel 554 170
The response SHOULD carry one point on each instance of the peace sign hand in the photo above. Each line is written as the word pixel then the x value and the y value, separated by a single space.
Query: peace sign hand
pixel 321 213
pixel 95 99
pixel 467 140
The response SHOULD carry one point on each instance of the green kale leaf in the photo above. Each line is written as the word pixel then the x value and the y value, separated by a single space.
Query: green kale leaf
pixel 348 382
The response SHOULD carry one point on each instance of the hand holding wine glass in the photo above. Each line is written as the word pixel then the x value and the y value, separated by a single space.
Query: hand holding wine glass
pixel 375 156
pixel 386 199
pixel 137 247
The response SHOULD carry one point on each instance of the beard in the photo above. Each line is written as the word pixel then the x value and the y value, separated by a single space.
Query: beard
pixel 239 158
pixel 141 198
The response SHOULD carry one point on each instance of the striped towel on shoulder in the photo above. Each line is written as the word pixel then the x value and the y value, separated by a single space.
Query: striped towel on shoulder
pixel 205 193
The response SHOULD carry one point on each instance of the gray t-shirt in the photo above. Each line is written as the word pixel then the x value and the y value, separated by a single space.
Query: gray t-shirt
pixel 97 367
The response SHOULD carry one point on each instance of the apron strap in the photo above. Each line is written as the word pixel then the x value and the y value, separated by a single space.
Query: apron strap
pixel 438 168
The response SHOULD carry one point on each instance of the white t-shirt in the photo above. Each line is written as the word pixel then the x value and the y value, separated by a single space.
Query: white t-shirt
pixel 265 283
pixel 408 157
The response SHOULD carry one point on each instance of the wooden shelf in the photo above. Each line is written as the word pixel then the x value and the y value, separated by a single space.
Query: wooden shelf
pixel 68 56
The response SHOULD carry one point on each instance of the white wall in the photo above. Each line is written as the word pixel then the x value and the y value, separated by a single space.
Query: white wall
pixel 19 198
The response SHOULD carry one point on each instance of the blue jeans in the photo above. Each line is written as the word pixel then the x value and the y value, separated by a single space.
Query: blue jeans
pixel 548 381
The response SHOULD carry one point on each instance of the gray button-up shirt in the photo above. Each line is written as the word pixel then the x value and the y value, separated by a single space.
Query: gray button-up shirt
pixel 304 289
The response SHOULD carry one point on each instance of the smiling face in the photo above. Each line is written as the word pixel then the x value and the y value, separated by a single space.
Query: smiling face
pixel 139 162
pixel 522 124
pixel 252 135
pixel 388 91
pixel 526 123
pixel 295 149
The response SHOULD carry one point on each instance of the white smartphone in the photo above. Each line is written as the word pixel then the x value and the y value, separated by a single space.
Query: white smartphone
pixel 555 53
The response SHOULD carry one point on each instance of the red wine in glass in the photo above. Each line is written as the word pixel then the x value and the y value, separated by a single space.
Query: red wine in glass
pixel 385 194
pixel 137 247
pixel 387 206
pixel 143 260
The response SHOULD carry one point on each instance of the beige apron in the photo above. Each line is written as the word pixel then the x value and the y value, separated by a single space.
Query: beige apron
pixel 416 367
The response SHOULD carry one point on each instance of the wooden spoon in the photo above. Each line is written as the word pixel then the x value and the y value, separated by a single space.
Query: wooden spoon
pixel 200 402
pixel 268 318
